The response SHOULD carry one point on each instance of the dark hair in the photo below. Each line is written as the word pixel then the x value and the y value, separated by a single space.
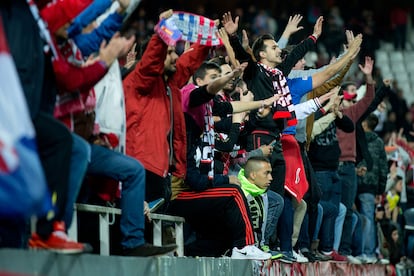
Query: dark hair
pixel 251 164
pixel 344 85
pixel 371 121
pixel 202 70
pixel 258 45
pixel 219 60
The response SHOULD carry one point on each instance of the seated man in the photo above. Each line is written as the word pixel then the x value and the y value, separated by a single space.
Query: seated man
pixel 255 180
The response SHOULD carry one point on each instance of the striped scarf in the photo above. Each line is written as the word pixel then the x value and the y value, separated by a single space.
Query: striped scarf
pixel 284 109
pixel 197 29
pixel 207 146
pixel 44 32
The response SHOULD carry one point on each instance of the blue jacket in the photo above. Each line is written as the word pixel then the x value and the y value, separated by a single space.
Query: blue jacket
pixel 90 42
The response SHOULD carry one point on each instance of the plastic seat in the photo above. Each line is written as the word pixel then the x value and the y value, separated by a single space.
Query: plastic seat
pixel 409 219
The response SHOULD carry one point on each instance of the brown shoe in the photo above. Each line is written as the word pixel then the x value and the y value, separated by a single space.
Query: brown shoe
pixel 147 250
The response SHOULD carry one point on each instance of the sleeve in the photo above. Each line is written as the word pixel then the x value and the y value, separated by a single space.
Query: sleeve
pixel 303 110
pixel 222 109
pixel 321 124
pixel 90 42
pixel 188 63
pixel 87 16
pixel 227 145
pixel 243 56
pixel 379 96
pixel 223 125
pixel 150 67
pixel 282 42
pixel 72 78
pixel 303 73
pixel 254 153
pixel 357 110
pixel 299 87
pixel 383 169
pixel 199 96
pixel 345 124
pixel 298 52
pixel 337 80
pixel 198 181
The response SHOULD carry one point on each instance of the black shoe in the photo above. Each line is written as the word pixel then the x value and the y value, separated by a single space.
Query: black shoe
pixel 147 250
pixel 311 257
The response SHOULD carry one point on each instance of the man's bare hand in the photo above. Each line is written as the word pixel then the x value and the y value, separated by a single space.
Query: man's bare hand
pixel 231 26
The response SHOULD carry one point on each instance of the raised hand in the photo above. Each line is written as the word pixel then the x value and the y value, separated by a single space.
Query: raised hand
pixel 349 36
pixel 131 57
pixel 245 40
pixel 368 66
pixel 117 47
pixel 231 26
pixel 292 25
pixel 166 14
pixel 317 29
pixel 355 45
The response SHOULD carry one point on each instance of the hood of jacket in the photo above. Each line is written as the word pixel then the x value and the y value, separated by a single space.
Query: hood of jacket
pixel 248 187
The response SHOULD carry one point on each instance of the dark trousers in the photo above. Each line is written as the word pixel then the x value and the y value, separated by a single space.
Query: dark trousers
pixel 285 225
pixel 219 213
pixel 312 198
pixel 54 143
pixel 157 187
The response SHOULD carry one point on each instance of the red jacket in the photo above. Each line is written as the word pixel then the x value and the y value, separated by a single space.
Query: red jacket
pixel 148 108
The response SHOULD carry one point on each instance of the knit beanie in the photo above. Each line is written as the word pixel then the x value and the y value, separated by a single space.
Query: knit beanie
pixel 59 12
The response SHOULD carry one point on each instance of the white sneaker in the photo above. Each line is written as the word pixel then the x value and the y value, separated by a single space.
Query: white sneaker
pixel 250 252
pixel 299 257
pixel 383 261
pixel 353 260
pixel 368 259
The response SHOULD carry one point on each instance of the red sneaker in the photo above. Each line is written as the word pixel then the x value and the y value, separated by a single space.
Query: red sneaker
pixel 58 241
pixel 338 257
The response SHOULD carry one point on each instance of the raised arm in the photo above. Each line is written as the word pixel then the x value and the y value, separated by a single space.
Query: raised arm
pixel 151 65
pixel 291 28
pixel 230 52
pixel 301 49
pixel 231 26
pixel 322 76
pixel 89 43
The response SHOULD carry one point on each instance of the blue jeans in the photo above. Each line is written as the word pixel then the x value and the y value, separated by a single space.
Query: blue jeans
pixel 81 156
pixel 285 225
pixel 348 178
pixel 275 209
pixel 131 173
pixel 330 185
pixel 367 209
pixel 357 233
pixel 330 212
pixel 339 225
pixel 318 222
